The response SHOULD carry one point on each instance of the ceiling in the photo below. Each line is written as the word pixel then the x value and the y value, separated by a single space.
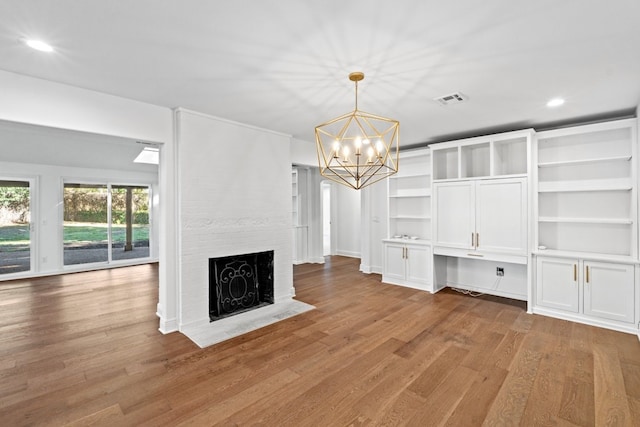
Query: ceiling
pixel 283 64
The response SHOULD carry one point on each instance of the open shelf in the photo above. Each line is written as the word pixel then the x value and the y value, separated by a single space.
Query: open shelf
pixel 475 160
pixel 411 193
pixel 584 143
pixel 584 161
pixel 445 163
pixel 586 220
pixel 412 217
pixel 409 175
pixel 510 156
pixel 597 238
pixel 585 185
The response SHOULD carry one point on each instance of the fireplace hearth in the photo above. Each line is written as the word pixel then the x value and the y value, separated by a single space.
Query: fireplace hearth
pixel 240 283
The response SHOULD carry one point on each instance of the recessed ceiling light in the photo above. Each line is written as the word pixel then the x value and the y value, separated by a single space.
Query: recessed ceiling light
pixel 555 102
pixel 39 45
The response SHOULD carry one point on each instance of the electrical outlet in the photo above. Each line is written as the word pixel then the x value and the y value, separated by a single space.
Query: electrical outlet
pixel 499 271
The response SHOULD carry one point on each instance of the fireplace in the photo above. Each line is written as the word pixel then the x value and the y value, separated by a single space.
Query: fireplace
pixel 240 283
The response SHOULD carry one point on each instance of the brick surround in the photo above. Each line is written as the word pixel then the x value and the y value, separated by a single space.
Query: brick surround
pixel 235 198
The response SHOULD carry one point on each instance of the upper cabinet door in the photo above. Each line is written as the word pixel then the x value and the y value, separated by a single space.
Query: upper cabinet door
pixel 501 215
pixel 455 214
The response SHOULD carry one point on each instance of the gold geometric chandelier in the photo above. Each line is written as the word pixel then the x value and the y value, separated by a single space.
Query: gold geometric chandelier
pixel 358 148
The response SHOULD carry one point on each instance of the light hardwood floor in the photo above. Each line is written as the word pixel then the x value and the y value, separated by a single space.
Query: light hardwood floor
pixel 84 349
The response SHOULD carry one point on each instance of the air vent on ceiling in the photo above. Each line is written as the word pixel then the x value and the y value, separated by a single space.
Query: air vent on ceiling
pixel 453 98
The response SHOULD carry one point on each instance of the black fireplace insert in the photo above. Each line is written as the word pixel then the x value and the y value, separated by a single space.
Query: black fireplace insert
pixel 240 283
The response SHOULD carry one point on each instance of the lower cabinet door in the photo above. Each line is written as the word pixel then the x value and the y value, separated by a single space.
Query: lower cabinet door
pixel 609 291
pixel 394 262
pixel 557 283
pixel 418 264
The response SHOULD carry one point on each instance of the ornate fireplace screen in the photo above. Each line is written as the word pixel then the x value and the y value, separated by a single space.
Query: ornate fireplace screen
pixel 240 283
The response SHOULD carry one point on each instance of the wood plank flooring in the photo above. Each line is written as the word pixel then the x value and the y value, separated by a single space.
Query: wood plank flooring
pixel 84 349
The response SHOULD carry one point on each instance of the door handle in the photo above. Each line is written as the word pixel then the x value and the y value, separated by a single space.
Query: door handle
pixel 575 272
pixel 587 268
pixel 477 240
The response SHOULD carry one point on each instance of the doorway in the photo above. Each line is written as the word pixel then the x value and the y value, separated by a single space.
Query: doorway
pixel 15 226
pixel 326 218
pixel 104 223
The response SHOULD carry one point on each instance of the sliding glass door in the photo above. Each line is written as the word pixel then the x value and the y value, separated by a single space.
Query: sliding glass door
pixel 129 222
pixel 105 223
pixel 15 226
pixel 86 224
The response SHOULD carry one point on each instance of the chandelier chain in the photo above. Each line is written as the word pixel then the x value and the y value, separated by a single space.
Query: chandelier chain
pixel 356 94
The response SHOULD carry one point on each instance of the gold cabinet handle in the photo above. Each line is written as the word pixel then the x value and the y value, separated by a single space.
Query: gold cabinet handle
pixel 473 243
pixel 587 268
pixel 406 251
pixel 477 240
pixel 575 272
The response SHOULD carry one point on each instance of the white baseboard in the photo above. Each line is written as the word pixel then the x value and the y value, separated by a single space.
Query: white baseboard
pixel 348 254
pixel 168 326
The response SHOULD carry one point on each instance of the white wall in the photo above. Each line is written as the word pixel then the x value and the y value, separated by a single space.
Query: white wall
pixel 480 275
pixel 348 221
pixel 48 216
pixel 29 100
pixel 235 198
pixel 374 226
pixel 303 153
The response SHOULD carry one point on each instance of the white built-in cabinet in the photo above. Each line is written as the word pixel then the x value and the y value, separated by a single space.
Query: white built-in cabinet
pixel 481 215
pixel 600 293
pixel 407 264
pixel 554 212
pixel 407 249
pixel 482 218
pixel 586 224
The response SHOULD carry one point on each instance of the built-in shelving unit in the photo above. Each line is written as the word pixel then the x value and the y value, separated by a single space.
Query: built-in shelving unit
pixel 586 213
pixel 548 217
pixel 586 194
pixel 407 249
pixel 410 197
